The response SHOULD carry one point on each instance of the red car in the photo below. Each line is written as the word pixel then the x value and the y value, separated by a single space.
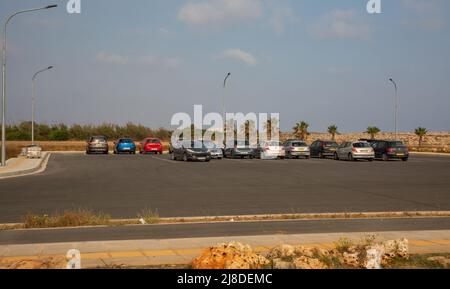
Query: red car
pixel 151 145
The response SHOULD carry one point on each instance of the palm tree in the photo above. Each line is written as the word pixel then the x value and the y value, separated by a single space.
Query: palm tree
pixel 373 131
pixel 301 130
pixel 421 132
pixel 333 130
pixel 248 128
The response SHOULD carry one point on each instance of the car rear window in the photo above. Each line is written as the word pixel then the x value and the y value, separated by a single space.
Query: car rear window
pixel 98 139
pixel 153 141
pixel 273 143
pixel 361 145
pixel 126 141
pixel 299 144
pixel 330 144
pixel 395 144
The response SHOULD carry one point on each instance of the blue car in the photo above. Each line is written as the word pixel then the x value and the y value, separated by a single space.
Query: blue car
pixel 124 145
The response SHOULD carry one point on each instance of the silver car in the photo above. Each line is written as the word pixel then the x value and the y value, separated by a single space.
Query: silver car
pixel 353 151
pixel 214 149
pixel 297 149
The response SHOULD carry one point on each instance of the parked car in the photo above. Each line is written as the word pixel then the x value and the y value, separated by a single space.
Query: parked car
pixel 97 144
pixel 124 145
pixel 214 150
pixel 386 150
pixel 191 151
pixel 151 145
pixel 239 149
pixel 32 152
pixel 270 150
pixel 353 151
pixel 296 149
pixel 322 149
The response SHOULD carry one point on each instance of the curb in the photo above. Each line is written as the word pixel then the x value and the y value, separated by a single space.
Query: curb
pixel 38 169
pixel 430 154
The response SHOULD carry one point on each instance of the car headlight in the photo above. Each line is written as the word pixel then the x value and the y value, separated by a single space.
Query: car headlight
pixel 190 151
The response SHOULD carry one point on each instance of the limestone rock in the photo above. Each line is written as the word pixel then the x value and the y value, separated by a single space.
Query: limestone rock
pixel 233 255
pixel 304 262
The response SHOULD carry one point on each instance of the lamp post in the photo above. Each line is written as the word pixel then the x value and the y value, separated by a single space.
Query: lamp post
pixel 223 108
pixel 396 107
pixel 3 152
pixel 33 101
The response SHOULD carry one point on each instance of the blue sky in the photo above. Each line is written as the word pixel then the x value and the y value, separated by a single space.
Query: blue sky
pixel 325 62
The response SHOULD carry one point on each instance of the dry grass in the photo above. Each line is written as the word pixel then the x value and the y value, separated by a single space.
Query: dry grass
pixel 70 218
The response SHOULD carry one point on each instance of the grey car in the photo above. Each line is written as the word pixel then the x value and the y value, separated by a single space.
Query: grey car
pixel 239 149
pixel 191 151
pixel 353 151
pixel 214 150
pixel 297 149
pixel 97 144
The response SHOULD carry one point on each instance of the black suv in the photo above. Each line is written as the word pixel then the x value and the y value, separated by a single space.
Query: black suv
pixel 322 149
pixel 386 150
pixel 97 144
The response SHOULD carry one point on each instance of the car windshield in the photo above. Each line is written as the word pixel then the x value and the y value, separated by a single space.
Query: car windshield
pixel 273 143
pixel 210 145
pixel 127 140
pixel 242 144
pixel 299 144
pixel 361 145
pixel 193 144
pixel 330 144
pixel 395 144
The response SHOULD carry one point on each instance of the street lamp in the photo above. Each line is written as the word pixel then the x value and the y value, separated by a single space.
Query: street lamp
pixel 33 100
pixel 396 107
pixel 223 106
pixel 3 152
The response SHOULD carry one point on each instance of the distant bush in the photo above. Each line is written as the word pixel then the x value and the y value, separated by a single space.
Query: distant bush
pixel 76 132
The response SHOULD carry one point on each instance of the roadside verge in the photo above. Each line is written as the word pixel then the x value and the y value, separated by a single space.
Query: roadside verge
pixel 18 167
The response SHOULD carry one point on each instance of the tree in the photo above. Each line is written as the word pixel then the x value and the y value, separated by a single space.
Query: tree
pixel 373 131
pixel 333 130
pixel 248 128
pixel 301 130
pixel 272 127
pixel 421 132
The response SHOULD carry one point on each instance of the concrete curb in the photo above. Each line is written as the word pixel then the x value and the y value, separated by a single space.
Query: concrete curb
pixel 38 169
pixel 430 154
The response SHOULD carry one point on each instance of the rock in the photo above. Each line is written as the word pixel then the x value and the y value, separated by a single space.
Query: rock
pixel 304 262
pixel 279 264
pixel 47 263
pixel 351 259
pixel 308 251
pixel 441 260
pixel 233 255
pixel 282 251
pixel 395 249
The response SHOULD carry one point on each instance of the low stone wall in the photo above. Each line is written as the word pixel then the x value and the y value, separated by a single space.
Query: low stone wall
pixel 432 142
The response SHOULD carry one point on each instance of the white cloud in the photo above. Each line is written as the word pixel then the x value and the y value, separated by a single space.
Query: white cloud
pixel 341 24
pixel 117 59
pixel 280 15
pixel 240 55
pixel 220 12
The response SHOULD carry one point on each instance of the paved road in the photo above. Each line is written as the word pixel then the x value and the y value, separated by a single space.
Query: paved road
pixel 158 232
pixel 125 185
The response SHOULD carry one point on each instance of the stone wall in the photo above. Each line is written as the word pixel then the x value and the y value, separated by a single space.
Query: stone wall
pixel 433 142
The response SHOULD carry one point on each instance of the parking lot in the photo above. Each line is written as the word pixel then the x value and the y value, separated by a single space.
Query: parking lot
pixel 124 185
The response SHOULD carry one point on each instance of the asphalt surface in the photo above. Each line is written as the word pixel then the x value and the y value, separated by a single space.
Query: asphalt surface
pixel 124 185
pixel 157 232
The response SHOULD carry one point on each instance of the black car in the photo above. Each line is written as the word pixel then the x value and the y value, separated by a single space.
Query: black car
pixel 323 148
pixel 387 150
pixel 190 151
pixel 97 144
pixel 239 149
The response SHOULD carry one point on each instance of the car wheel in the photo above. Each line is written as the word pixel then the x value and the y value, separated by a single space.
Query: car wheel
pixel 351 158
pixel 370 160
pixel 405 159
pixel 336 157
pixel 385 157
pixel 321 155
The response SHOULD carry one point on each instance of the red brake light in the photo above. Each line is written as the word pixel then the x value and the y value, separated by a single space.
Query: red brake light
pixel 355 150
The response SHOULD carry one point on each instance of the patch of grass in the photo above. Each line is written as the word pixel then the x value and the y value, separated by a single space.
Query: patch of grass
pixel 343 245
pixel 69 218
pixel 417 262
pixel 149 215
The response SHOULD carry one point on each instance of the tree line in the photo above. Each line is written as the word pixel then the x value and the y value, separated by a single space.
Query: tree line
pixel 76 132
